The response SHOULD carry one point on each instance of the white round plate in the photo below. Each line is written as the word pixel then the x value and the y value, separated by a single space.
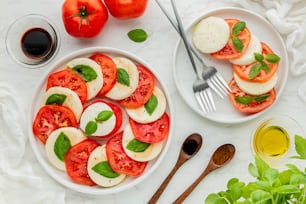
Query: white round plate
pixel 184 75
pixel 38 147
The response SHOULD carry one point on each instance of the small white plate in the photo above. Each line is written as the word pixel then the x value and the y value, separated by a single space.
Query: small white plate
pixel 184 75
pixel 39 149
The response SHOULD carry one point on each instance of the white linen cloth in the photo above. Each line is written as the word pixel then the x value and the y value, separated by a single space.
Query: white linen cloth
pixel 18 176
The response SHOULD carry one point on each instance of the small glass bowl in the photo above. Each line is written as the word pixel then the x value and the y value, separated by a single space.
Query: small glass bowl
pixel 273 140
pixel 16 33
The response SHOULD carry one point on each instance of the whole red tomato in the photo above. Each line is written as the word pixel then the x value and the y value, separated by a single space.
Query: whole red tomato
pixel 126 9
pixel 84 18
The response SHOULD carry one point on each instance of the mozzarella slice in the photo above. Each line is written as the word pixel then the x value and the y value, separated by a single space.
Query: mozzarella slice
pixel 73 134
pixel 211 34
pixel 149 154
pixel 95 85
pixel 248 56
pixel 142 116
pixel 99 155
pixel 255 88
pixel 121 91
pixel 90 114
pixel 72 100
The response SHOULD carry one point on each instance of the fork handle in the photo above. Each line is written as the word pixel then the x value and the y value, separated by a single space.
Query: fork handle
pixel 175 26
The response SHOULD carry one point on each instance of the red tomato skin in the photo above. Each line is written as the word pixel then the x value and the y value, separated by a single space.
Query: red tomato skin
pixel 109 71
pixel 243 70
pixel 229 51
pixel 126 9
pixel 118 159
pixel 117 111
pixel 69 79
pixel 84 27
pixel 50 118
pixel 153 132
pixel 76 161
pixel 143 91
pixel 253 107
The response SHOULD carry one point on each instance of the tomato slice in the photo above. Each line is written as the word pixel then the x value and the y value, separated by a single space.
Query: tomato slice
pixel 143 91
pixel 153 132
pixel 229 51
pixel 109 71
pixel 52 117
pixel 117 111
pixel 254 106
pixel 243 70
pixel 69 79
pixel 76 161
pixel 119 160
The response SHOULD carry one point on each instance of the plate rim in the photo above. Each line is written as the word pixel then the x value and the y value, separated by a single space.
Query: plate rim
pixel 248 117
pixel 52 171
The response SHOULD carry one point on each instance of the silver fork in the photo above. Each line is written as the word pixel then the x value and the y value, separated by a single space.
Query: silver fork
pixel 200 87
pixel 210 74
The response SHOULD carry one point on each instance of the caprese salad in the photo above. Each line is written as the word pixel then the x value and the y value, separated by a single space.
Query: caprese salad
pixel 102 118
pixel 253 62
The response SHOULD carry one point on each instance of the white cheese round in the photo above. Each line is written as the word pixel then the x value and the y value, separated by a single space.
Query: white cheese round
pixel 211 34
pixel 149 154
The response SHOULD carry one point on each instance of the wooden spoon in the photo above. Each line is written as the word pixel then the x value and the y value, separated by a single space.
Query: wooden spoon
pixel 189 148
pixel 220 157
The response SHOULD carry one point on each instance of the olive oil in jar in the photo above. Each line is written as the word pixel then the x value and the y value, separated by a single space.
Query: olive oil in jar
pixel 272 141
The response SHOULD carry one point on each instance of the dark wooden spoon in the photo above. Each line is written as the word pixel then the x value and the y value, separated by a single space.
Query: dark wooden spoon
pixel 220 157
pixel 189 148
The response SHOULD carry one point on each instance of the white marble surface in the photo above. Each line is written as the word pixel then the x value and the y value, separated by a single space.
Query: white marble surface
pixel 157 50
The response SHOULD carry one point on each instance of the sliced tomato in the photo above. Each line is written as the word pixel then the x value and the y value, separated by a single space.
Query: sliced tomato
pixel 52 117
pixel 109 71
pixel 153 132
pixel 243 70
pixel 254 106
pixel 69 79
pixel 229 51
pixel 76 161
pixel 143 91
pixel 119 160
pixel 117 111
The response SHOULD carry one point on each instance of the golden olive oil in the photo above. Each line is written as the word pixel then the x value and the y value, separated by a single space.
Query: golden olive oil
pixel 272 141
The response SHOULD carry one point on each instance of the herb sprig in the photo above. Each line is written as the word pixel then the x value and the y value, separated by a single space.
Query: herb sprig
pixel 271 186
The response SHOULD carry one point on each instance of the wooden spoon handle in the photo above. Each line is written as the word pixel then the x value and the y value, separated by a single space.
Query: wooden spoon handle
pixel 186 193
pixel 162 187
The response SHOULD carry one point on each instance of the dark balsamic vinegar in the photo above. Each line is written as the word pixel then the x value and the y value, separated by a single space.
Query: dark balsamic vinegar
pixel 36 43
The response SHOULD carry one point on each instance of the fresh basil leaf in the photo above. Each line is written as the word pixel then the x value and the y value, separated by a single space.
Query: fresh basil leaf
pixel 260 196
pixel 238 27
pixel 297 179
pixel 86 72
pixel 287 189
pixel 261 166
pixel 151 104
pixel 61 146
pixel 265 67
pixel 253 170
pixel 261 98
pixel 300 146
pixel 105 170
pixel 137 146
pixel 215 198
pixel 237 44
pixel 137 35
pixel 254 71
pixel 272 58
pixel 104 115
pixel 244 99
pixel 91 127
pixel 123 77
pixel 285 176
pixel 270 175
pixel 258 57
pixel 58 99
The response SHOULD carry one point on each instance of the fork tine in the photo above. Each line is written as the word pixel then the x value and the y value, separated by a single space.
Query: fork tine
pixel 205 97
pixel 210 98
pixel 200 101
pixel 220 78
pixel 219 84
pixel 214 86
